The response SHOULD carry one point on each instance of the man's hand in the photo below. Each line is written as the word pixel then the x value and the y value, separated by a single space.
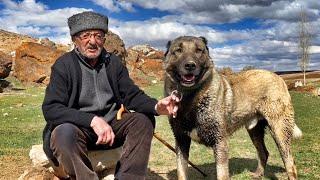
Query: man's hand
pixel 103 130
pixel 168 106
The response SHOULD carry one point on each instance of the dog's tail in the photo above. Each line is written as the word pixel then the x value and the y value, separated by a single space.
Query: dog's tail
pixel 297 133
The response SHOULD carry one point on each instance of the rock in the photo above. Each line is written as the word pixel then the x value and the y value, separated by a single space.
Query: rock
pixel 114 44
pixel 33 62
pixel 10 41
pixel 37 173
pixel 298 84
pixel 37 156
pixel 5 65
pixel 145 60
pixel 103 162
pixel 47 42
pixel 4 84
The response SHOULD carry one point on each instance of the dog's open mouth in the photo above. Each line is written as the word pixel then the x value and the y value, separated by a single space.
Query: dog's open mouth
pixel 188 79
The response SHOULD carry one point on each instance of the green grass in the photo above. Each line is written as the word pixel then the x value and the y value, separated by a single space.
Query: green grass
pixel 22 123
pixel 20 118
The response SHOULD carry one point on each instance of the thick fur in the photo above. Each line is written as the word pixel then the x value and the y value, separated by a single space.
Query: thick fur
pixel 213 107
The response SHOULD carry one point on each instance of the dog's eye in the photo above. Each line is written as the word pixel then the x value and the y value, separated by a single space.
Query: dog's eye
pixel 177 51
pixel 198 50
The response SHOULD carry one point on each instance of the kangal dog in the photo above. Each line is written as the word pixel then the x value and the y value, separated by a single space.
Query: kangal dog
pixel 213 107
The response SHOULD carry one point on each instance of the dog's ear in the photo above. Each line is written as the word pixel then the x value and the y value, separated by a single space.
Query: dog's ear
pixel 168 47
pixel 205 41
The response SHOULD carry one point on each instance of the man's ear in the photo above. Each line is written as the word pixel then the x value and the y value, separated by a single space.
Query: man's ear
pixel 168 47
pixel 205 41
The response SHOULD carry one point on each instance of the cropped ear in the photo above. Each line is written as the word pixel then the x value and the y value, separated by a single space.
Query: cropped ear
pixel 168 47
pixel 205 41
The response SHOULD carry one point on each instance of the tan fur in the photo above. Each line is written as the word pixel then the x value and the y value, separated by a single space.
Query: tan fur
pixel 213 107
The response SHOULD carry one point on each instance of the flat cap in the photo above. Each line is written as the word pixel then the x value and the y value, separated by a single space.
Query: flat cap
pixel 87 20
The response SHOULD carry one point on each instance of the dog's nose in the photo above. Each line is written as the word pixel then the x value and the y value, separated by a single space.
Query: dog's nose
pixel 190 66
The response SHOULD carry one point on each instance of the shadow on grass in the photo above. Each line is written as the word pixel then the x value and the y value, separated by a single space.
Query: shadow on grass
pixel 152 175
pixel 237 166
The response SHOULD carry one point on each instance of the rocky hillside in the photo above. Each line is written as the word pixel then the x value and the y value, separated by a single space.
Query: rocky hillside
pixel 10 41
pixel 145 64
pixel 29 59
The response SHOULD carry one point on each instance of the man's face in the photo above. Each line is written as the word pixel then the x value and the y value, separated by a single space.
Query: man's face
pixel 90 43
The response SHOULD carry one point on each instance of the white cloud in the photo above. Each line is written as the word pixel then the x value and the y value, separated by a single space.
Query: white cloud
pixel 26 5
pixel 35 19
pixel 114 5
pixel 218 11
pixel 111 5
pixel 158 32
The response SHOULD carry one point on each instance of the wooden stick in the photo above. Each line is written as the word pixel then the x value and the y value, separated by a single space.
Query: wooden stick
pixel 120 111
pixel 172 149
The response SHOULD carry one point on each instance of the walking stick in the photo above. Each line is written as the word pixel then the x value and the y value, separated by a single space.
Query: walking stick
pixel 172 149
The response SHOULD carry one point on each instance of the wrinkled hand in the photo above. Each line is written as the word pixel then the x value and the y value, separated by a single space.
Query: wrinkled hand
pixel 103 130
pixel 168 106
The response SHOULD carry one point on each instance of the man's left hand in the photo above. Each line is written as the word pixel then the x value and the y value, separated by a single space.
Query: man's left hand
pixel 168 105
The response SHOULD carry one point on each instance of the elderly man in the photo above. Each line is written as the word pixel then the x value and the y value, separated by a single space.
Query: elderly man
pixel 86 89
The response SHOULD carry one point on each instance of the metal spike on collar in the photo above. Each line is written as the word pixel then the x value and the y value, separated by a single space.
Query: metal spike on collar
pixel 177 94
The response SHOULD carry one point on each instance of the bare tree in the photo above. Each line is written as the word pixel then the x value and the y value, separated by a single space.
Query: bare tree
pixel 304 44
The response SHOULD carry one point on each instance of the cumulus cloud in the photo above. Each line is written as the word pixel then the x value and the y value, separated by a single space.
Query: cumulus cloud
pixel 26 5
pixel 36 19
pixel 114 5
pixel 227 11
pixel 158 33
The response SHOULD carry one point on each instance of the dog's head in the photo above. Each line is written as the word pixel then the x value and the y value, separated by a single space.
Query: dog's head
pixel 187 61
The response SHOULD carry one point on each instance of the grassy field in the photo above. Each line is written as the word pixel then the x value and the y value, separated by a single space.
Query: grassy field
pixel 22 122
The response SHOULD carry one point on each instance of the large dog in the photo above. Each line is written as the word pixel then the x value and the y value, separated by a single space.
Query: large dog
pixel 213 107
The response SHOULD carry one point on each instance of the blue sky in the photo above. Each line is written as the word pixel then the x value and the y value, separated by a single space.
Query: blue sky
pixel 260 33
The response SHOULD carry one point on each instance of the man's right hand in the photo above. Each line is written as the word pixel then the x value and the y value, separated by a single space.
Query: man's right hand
pixel 103 130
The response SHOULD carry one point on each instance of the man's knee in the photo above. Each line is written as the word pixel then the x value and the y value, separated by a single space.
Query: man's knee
pixel 144 123
pixel 65 136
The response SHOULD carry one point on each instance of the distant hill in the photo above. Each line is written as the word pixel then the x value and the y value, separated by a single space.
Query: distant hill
pixel 292 72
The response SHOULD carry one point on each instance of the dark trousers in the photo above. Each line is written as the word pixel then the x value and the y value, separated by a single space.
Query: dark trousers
pixel 70 145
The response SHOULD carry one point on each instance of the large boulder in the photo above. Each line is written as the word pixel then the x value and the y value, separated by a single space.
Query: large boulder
pixel 114 44
pixel 47 42
pixel 103 162
pixel 10 41
pixel 145 64
pixel 5 65
pixel 33 62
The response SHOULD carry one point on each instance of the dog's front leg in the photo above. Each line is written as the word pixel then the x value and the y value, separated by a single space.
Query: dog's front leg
pixel 182 148
pixel 222 160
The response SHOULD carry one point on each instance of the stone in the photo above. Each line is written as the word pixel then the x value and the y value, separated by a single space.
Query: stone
pixel 5 65
pixel 103 162
pixel 298 84
pixel 33 62
pixel 145 61
pixel 10 41
pixel 47 42
pixel 114 44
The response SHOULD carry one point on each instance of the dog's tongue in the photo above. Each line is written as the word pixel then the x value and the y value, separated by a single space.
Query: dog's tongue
pixel 188 77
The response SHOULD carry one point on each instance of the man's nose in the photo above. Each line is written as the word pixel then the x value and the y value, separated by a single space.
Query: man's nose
pixel 92 39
